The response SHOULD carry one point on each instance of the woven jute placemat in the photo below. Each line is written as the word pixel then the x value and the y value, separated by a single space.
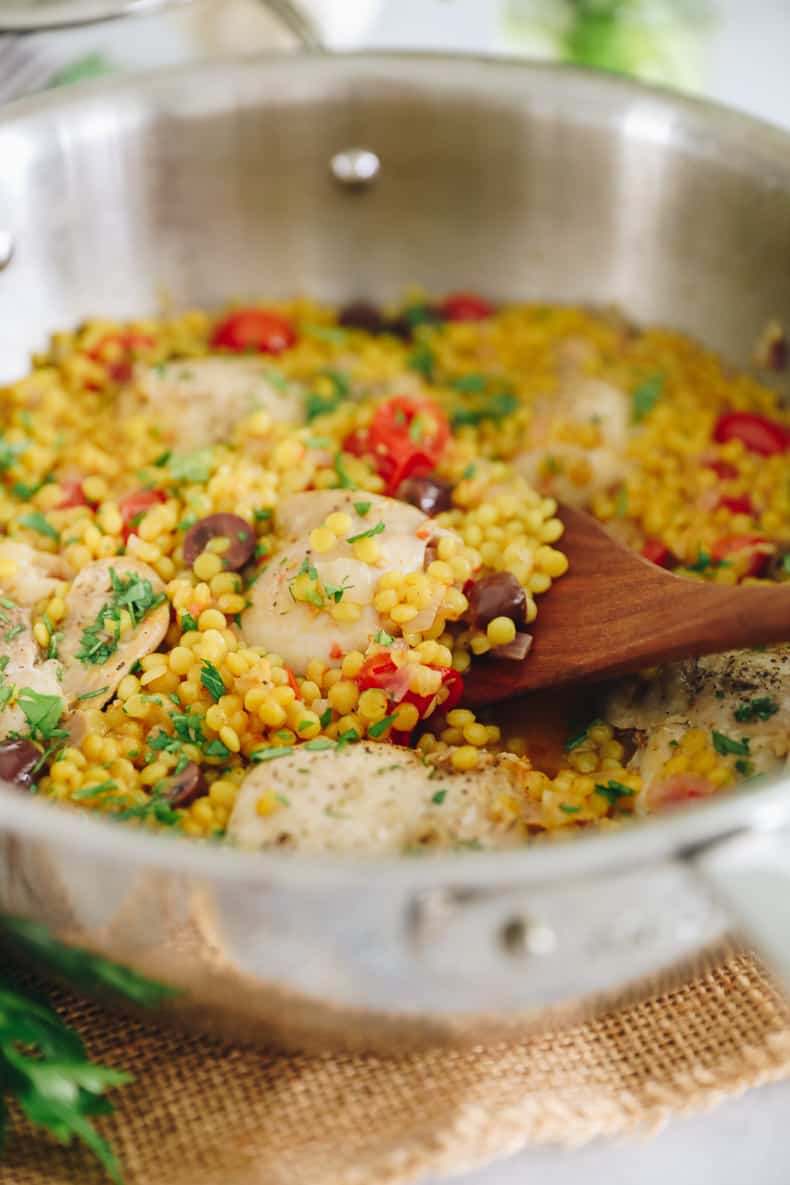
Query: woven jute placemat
pixel 203 1113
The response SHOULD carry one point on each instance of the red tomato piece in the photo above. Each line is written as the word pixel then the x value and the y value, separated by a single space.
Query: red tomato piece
pixel 136 504
pixel 465 306
pixel 406 437
pixel 380 671
pixel 678 790
pixel 658 553
pixel 756 548
pixel 757 433
pixel 73 493
pixel 738 504
pixel 722 469
pixel 260 331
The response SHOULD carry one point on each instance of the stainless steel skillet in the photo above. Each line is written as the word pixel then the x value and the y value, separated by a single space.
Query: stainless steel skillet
pixel 244 177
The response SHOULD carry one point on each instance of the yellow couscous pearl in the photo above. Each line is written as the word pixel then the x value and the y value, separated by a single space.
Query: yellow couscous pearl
pixel 464 758
pixel 500 631
pixel 339 523
pixel 322 539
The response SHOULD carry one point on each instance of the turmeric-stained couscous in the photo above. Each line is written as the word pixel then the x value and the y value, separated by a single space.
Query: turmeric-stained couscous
pixel 248 559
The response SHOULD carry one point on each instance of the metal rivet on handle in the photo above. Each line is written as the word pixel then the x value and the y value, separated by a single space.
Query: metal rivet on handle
pixel 519 936
pixel 6 248
pixel 355 166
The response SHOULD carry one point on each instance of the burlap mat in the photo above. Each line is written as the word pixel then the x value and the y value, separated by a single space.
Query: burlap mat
pixel 200 1113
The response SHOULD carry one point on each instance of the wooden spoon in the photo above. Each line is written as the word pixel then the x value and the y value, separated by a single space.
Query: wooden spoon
pixel 615 612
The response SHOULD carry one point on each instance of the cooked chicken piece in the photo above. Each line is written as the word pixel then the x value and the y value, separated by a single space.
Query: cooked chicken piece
pixel 22 666
pixel 585 401
pixel 91 592
pixel 28 575
pixel 198 401
pixel 378 798
pixel 706 693
pixel 299 631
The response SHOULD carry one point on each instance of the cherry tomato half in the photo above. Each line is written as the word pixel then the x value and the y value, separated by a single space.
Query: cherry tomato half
pixel 757 433
pixel 722 469
pixel 259 331
pixel 658 553
pixel 465 306
pixel 756 549
pixel 73 493
pixel 133 506
pixel 117 352
pixel 738 504
pixel 380 671
pixel 406 438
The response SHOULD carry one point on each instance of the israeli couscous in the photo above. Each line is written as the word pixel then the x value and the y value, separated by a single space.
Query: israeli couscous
pixel 247 560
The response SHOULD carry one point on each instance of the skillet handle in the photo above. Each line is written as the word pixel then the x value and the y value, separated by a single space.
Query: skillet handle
pixel 750 876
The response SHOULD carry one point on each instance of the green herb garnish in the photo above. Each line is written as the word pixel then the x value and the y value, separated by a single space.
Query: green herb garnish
pixel 382 638
pixel 92 694
pixel 36 521
pixel 42 712
pixel 438 797
pixel 212 680
pixel 423 360
pixel 362 508
pixel 381 726
pixel 613 791
pixel 188 623
pixel 135 595
pixel 273 752
pixel 192 467
pixel 724 744
pixel 761 708
pixel 645 397
pixel 379 527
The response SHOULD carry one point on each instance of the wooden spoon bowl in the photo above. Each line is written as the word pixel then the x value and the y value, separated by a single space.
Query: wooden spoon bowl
pixel 614 612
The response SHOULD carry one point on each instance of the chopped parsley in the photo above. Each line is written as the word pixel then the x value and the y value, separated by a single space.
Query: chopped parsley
pixel 162 459
pixel 579 738
pixel 325 333
pixel 423 360
pixel 325 717
pixel 347 738
pixel 621 502
pixel 273 752
pixel 645 397
pixel 343 479
pixel 761 708
pixel 188 727
pixel 193 467
pixel 552 465
pixel 786 564
pixel 613 791
pixel 135 595
pixel 42 712
pixel 319 405
pixel 568 809
pixel 14 632
pixel 335 592
pixel 25 492
pixel 36 521
pixel 9 452
pixel 362 508
pixel 724 744
pixel 381 726
pixel 438 797
pixel 383 638
pixel 262 514
pixel 92 694
pixel 212 680
pixel 496 406
pixel 379 527
pixel 216 748
pixel 704 562
pixel 469 472
pixel 188 623
pixel 319 744
pixel 87 792
pixel 470 384
pixel 745 768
